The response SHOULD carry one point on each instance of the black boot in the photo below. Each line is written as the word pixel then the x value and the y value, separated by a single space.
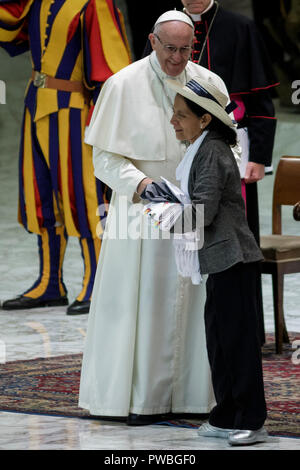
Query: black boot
pixel 23 303
pixel 143 420
pixel 78 307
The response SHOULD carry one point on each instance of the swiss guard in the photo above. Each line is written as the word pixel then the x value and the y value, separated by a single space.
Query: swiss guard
pixel 75 46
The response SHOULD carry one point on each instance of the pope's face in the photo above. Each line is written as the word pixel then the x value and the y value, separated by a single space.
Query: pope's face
pixel 195 6
pixel 173 42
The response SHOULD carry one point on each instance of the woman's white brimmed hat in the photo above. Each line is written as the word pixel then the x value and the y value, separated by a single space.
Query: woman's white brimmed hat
pixel 206 95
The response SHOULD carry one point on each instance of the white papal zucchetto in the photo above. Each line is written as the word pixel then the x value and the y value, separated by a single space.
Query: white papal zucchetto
pixel 174 15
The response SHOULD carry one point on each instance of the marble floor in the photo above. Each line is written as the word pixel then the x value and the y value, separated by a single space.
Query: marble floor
pixel 34 432
pixel 50 332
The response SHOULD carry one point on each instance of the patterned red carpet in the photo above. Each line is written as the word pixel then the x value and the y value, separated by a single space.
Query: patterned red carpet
pixel 50 386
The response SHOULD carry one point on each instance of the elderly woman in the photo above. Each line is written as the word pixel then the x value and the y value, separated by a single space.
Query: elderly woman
pixel 230 256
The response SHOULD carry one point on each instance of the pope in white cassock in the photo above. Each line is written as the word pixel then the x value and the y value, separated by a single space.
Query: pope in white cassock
pixel 145 351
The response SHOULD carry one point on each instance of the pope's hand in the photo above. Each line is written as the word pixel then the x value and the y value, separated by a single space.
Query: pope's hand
pixel 142 185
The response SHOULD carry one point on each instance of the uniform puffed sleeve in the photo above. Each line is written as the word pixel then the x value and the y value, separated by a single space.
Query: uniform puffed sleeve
pixel 13 26
pixel 105 43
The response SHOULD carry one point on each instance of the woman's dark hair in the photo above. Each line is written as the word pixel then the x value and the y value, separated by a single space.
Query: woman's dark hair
pixel 228 134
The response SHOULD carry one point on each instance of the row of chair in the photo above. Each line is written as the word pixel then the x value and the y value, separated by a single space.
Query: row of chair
pixel 282 252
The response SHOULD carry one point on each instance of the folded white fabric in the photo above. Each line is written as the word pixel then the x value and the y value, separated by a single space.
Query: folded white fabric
pixel 186 256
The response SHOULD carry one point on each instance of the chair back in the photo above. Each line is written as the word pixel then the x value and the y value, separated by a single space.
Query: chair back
pixel 286 190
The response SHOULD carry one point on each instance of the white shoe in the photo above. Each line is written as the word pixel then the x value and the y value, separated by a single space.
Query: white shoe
pixel 207 430
pixel 241 437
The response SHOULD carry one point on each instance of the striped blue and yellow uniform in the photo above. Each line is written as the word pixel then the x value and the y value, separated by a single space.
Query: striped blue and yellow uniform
pixel 78 41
